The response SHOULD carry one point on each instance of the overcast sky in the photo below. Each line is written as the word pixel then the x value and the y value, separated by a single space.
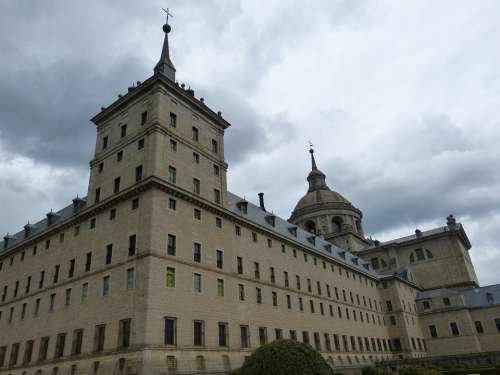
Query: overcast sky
pixel 400 98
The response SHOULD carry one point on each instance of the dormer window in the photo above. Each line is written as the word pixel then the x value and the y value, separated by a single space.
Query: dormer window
pixel 328 248
pixel 271 220
pixel 367 266
pixel 242 206
pixel 312 240
pixel 490 298
pixel 28 230
pixel 51 218
pixel 293 231
pixel 355 261
pixel 342 254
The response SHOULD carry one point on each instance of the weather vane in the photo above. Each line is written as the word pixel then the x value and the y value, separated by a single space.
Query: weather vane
pixel 168 13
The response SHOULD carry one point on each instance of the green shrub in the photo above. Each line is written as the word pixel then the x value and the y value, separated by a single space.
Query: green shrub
pixel 285 357
pixel 235 372
pixel 369 371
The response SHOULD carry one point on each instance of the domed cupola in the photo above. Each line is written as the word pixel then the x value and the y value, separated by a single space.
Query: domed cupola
pixel 325 212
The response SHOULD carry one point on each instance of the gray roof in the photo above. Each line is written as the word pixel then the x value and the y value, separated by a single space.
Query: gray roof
pixel 282 227
pixel 477 297
pixel 40 226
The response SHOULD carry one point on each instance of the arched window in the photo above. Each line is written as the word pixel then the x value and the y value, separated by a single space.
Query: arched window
pixel 336 225
pixel 359 228
pixel 311 227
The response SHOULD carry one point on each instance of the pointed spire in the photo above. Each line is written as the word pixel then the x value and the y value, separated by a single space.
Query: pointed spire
pixel 165 65
pixel 316 178
pixel 313 162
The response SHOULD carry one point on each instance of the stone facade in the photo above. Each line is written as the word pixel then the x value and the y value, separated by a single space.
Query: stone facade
pixel 161 270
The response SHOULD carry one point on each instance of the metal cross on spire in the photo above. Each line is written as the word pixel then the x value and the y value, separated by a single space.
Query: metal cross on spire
pixel 310 145
pixel 167 11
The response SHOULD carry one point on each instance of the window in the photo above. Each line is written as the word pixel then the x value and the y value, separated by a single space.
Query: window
pixel 258 295
pixel 92 223
pixel 216 196
pixel 99 337
pixel 130 278
pixel 105 286
pixel 239 265
pixel 272 275
pixel 194 134
pixel 220 259
pixel 479 327
pixel 170 331
pixel 275 299
pixel 197 214
pixel 293 335
pixel 216 170
pixel 237 230
pixel 60 341
pixel 76 231
pixel 123 131
pixel 285 276
pixel 171 240
pixel 317 341
pixel 97 195
pixel 52 302
pixel 254 237
pixel 241 292
pixel 497 324
pixel 220 288
pixel 85 291
pixel 172 175
pixel 197 283
pixel 109 254
pixel 124 333
pixel 170 278
pixel 389 305
pixel 28 353
pixel 454 329
pixel 28 285
pixel 173 145
pixel 116 187
pixel 244 336
pixel 67 297
pixel 433 331
pixel 44 348
pixel 305 337
pixel 198 333
pixel 76 346
pixel 135 203
pixel 427 305
pixel 420 254
pixel 23 311
pixel 172 204
pixel 256 270
pixel 392 319
pixel 144 117
pixel 105 142
pixel 196 252
pixel 173 120
pixel 100 168
pixel 112 214
pixel 88 262
pixel 119 156
pixel 223 334
pixel 446 301
pixel 262 335
pixel 215 146
pixel 196 186
pixel 196 158
pixel 138 173
pixel 289 301
pixel 218 222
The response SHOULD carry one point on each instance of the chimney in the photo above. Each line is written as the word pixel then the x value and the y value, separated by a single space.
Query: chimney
pixel 6 240
pixel 78 204
pixel 418 233
pixel 261 201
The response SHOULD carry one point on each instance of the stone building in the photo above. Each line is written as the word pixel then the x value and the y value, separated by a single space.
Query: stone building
pixel 161 270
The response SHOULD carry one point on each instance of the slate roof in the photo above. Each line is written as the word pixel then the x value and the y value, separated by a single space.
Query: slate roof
pixel 476 297
pixel 256 215
pixel 40 226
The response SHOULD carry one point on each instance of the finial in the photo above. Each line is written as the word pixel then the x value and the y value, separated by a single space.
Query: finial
pixel 165 65
pixel 313 162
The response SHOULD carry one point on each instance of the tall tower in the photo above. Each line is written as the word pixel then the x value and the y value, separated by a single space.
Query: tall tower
pixel 325 212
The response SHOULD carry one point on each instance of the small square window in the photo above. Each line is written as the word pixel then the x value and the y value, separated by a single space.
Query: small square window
pixel 172 204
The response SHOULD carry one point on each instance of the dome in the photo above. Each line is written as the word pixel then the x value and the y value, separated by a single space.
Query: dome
pixel 321 197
